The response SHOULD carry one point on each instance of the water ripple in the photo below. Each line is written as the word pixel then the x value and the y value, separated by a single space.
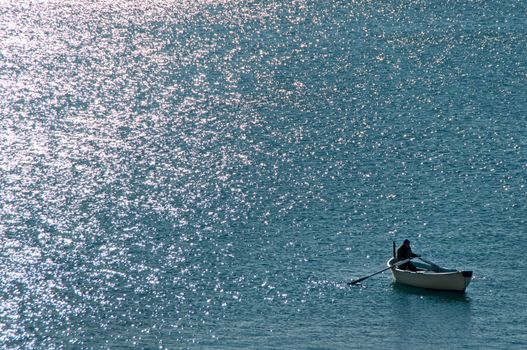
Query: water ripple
pixel 172 169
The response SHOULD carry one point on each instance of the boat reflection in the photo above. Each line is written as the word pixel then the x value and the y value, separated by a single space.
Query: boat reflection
pixel 445 295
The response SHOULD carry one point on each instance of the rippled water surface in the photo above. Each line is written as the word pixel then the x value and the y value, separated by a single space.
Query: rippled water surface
pixel 210 174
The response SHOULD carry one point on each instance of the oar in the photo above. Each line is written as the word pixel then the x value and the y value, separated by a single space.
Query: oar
pixel 432 265
pixel 378 272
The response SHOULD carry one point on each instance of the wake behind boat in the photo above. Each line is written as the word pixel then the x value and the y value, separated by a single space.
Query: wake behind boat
pixel 431 276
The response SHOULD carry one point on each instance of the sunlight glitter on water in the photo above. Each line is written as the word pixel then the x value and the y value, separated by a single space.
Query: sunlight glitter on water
pixel 89 130
pixel 169 166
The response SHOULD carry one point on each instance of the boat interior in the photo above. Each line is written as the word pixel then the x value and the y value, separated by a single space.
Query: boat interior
pixel 427 266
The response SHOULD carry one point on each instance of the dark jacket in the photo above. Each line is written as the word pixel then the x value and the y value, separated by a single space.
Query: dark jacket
pixel 405 252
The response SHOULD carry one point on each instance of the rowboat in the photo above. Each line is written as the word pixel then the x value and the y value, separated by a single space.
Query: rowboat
pixel 431 276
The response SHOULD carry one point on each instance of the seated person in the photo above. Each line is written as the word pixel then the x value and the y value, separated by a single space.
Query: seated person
pixel 405 252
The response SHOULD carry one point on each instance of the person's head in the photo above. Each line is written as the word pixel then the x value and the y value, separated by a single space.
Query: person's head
pixel 406 242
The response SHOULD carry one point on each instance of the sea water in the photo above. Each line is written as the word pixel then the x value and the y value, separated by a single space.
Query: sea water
pixel 180 174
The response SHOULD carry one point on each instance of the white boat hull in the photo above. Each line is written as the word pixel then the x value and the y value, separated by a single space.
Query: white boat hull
pixel 446 280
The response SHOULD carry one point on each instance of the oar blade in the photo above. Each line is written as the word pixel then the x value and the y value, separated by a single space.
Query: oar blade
pixel 357 281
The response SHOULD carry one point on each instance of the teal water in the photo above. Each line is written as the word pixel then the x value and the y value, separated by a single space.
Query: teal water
pixel 210 174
